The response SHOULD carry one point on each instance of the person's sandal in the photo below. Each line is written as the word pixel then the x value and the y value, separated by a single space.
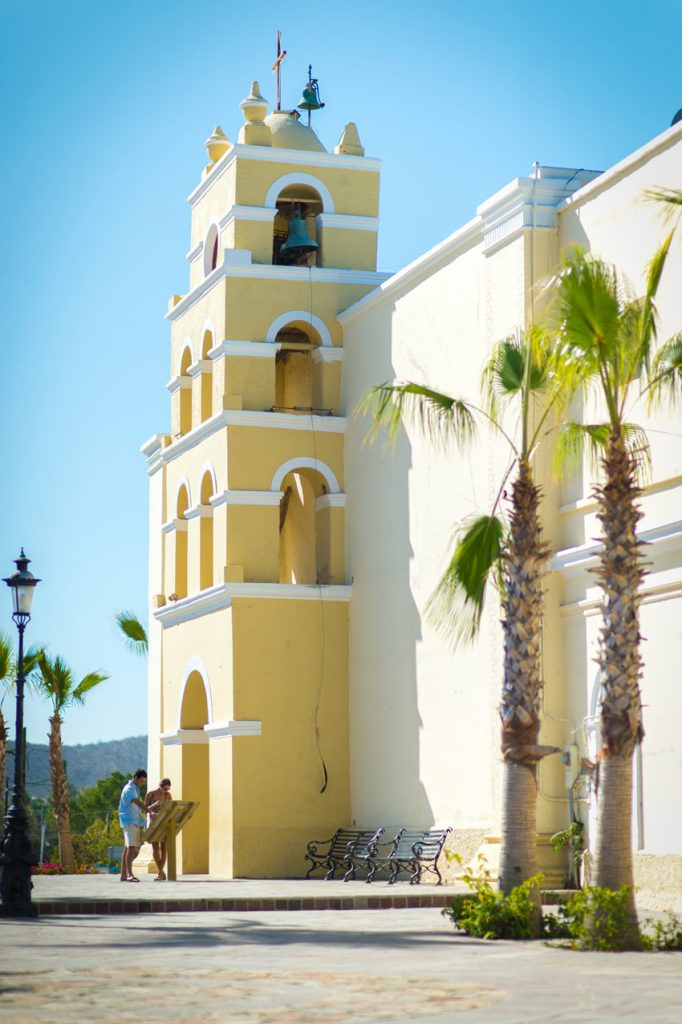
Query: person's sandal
pixel 132 879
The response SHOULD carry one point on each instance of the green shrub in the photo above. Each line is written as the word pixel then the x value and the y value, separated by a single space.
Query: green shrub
pixel 91 846
pixel 596 918
pixel 490 914
pixel 667 935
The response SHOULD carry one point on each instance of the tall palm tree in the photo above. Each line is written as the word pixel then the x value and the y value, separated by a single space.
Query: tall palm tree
pixel 133 633
pixel 504 548
pixel 605 344
pixel 56 681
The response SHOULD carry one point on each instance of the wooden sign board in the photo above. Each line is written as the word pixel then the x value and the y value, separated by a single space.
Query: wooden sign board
pixel 164 827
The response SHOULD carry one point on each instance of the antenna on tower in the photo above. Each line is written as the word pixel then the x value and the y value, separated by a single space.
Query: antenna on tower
pixel 281 54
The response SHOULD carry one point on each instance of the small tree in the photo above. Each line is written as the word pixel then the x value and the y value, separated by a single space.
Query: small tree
pixel 55 680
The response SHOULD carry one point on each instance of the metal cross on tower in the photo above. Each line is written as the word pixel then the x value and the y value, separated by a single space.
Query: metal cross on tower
pixel 277 66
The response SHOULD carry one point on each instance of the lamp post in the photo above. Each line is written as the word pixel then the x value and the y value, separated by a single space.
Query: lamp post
pixel 16 856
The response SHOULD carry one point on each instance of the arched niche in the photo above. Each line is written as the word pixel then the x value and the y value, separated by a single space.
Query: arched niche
pixel 186 390
pixel 298 532
pixel 195 782
pixel 206 398
pixel 181 505
pixel 302 200
pixel 294 366
pixel 206 492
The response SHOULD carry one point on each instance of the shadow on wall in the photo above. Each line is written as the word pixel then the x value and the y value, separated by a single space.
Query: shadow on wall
pixel 385 624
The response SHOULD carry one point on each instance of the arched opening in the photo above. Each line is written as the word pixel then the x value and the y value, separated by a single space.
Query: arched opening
pixel 299 560
pixel 294 367
pixel 180 582
pixel 185 392
pixel 206 378
pixel 206 533
pixel 293 202
pixel 211 247
pixel 195 777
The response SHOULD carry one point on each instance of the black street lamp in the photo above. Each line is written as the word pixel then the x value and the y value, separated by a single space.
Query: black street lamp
pixel 16 855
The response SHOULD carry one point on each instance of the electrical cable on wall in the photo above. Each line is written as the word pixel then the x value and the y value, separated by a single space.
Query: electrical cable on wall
pixel 316 726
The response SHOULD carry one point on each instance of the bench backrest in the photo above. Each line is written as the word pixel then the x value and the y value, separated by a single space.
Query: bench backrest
pixel 349 840
pixel 411 842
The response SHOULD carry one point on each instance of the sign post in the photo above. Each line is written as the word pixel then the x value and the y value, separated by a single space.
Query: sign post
pixel 164 828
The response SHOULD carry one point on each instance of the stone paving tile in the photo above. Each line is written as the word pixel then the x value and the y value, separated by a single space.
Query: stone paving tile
pixel 399 967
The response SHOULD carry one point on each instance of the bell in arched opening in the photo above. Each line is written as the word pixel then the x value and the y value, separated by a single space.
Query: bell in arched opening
pixel 298 243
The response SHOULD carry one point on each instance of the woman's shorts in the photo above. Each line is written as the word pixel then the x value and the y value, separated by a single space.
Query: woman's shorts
pixel 132 835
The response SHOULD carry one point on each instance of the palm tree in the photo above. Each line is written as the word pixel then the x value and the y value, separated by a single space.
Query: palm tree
pixel 56 681
pixel 133 633
pixel 605 344
pixel 510 553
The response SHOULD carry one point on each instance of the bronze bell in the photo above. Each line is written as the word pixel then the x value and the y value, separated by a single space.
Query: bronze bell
pixel 310 100
pixel 299 242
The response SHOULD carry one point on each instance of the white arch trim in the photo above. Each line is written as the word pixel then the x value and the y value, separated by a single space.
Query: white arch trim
pixel 182 482
pixel 212 232
pixel 186 344
pixel 208 326
pixel 300 179
pixel 304 462
pixel 195 665
pixel 299 314
pixel 208 468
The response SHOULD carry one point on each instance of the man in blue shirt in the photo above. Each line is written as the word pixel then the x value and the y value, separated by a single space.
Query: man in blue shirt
pixel 130 815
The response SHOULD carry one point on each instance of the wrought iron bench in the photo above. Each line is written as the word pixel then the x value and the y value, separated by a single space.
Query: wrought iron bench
pixel 340 850
pixel 413 850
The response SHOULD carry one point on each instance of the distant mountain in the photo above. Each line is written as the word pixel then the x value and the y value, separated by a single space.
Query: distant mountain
pixel 85 762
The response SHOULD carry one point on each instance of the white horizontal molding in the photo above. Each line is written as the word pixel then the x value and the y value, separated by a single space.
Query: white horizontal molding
pixel 330 501
pixel 178 383
pixel 253 213
pixel 195 253
pixel 246 498
pixel 183 736
pixel 272 272
pixel 327 355
pixel 347 222
pixel 260 420
pixel 252 349
pixel 528 203
pixel 650 595
pixel 576 561
pixel 199 512
pixel 204 603
pixel 201 366
pixel 216 730
pixel 174 525
pixel 267 154
pixel 222 596
pixel 584 506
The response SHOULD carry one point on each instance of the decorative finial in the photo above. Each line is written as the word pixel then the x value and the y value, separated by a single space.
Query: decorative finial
pixel 217 144
pixel 255 132
pixel 349 143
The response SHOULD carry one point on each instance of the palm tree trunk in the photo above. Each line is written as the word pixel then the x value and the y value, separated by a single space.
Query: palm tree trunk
pixel 60 796
pixel 620 574
pixel 522 606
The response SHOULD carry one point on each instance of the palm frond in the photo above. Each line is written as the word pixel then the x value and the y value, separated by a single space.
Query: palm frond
pixel 86 684
pixel 456 606
pixel 504 374
pixel 440 417
pixel 132 632
pixel 649 318
pixel 670 200
pixel 666 374
pixel 6 661
pixel 574 441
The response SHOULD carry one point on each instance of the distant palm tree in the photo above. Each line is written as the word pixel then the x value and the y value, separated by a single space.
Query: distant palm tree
pixel 133 633
pixel 55 680
pixel 606 343
pixel 511 553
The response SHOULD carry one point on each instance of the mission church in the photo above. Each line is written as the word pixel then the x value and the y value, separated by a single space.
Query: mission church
pixel 294 685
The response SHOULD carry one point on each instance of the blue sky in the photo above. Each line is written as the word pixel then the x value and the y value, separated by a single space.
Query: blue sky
pixel 105 111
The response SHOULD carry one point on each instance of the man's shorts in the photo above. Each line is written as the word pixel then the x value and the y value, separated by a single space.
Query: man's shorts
pixel 132 835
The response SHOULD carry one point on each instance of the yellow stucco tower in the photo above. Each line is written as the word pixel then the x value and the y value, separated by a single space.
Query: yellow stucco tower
pixel 248 665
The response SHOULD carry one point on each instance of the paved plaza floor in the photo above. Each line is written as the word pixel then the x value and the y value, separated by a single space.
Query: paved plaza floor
pixel 399 966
